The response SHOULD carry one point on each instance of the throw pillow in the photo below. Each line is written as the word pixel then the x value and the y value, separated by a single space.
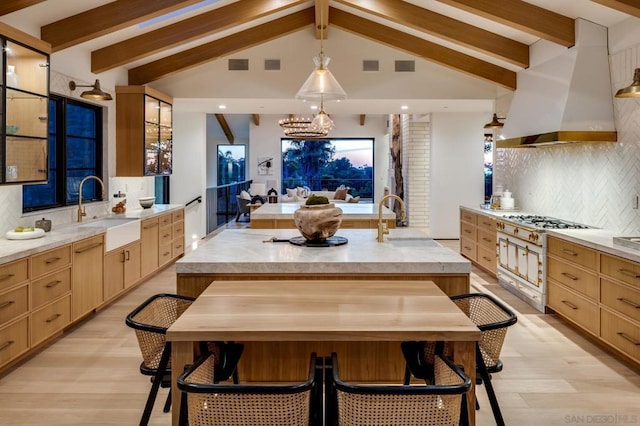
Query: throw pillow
pixel 354 199
pixel 341 194
pixel 245 195
pixel 292 193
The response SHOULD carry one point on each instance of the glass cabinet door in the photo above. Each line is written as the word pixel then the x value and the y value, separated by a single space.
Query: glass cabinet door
pixel 158 136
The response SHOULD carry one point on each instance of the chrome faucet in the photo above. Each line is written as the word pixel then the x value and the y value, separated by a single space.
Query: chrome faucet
pixel 382 226
pixel 81 211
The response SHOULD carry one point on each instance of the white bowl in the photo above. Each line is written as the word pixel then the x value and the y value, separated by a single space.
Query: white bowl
pixel 146 202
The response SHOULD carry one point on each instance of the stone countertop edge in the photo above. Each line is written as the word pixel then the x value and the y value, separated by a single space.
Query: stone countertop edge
pixel 11 250
pixel 243 251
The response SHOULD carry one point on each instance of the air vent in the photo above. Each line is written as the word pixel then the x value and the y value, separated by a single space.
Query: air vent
pixel 272 64
pixel 238 64
pixel 405 66
pixel 371 65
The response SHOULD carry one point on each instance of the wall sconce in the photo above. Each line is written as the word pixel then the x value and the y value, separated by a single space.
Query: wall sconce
pixel 95 94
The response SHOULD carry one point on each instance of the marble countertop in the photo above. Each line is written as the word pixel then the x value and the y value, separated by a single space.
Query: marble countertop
pixel 65 234
pixel 244 250
pixel 349 211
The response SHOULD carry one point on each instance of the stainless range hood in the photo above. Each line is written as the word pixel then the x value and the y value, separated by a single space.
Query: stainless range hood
pixel 564 99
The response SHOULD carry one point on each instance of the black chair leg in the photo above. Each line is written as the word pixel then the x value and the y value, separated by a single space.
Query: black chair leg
pixel 167 403
pixel 183 419
pixel 157 380
pixel 407 375
pixel 482 369
pixel 234 376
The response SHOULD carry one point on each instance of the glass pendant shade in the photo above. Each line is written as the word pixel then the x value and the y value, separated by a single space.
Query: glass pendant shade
pixel 321 84
pixel 322 121
pixel 632 91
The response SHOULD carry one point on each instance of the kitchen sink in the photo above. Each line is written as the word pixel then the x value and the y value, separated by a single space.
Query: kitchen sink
pixel 118 231
pixel 630 242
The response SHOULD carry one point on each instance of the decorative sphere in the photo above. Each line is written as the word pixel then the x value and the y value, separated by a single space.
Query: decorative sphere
pixel 319 221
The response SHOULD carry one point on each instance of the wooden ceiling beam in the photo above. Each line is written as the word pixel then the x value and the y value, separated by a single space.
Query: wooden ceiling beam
pixel 630 7
pixel 322 18
pixel 225 127
pixel 523 16
pixel 256 119
pixel 9 6
pixel 184 31
pixel 425 49
pixel 106 19
pixel 190 58
pixel 447 28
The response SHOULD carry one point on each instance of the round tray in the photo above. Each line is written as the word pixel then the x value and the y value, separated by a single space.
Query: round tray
pixel 36 233
pixel 331 241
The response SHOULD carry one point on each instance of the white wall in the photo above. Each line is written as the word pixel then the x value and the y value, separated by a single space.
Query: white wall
pixel 457 176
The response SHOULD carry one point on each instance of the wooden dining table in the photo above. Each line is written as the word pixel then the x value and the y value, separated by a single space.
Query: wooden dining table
pixel 281 322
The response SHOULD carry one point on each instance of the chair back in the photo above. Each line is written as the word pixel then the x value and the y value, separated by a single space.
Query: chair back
pixel 210 404
pixel 437 404
pixel 151 320
pixel 492 318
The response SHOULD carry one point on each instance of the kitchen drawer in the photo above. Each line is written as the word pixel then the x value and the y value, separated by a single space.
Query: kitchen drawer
pixel 178 228
pixel 487 239
pixel 50 319
pixel 14 303
pixel 166 234
pixel 177 216
pixel 573 277
pixel 177 248
pixel 149 223
pixel 468 248
pixel 165 253
pixel 468 231
pixel 49 261
pixel 165 219
pixel 620 333
pixel 574 307
pixel 468 217
pixel 50 287
pixel 575 253
pixel 486 223
pixel 14 273
pixel 620 269
pixel 487 258
pixel 14 340
pixel 621 298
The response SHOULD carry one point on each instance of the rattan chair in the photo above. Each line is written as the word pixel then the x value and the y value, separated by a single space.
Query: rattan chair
pixel 492 318
pixel 205 403
pixel 150 321
pixel 437 404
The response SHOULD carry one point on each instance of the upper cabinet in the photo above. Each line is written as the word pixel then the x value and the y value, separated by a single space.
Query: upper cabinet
pixel 24 107
pixel 144 136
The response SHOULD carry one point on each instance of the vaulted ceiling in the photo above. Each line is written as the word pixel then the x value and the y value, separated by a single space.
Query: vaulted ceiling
pixel 487 39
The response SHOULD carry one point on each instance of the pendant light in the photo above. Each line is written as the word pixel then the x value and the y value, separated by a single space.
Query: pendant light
pixel 95 94
pixel 632 91
pixel 322 120
pixel 495 123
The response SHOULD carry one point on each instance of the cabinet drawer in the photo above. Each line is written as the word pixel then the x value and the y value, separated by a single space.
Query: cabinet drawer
pixel 620 269
pixel 486 223
pixel 573 277
pixel 622 334
pixel 14 273
pixel 467 231
pixel 177 216
pixel 468 217
pixel 14 340
pixel 14 303
pixel 574 307
pixel 165 219
pixel 487 258
pixel 468 248
pixel 178 229
pixel 620 298
pixel 50 319
pixel 165 253
pixel 149 223
pixel 166 234
pixel 487 239
pixel 177 248
pixel 575 253
pixel 50 261
pixel 50 287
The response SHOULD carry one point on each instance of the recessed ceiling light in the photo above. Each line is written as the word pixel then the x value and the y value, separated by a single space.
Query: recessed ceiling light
pixel 314 107
pixel 222 107
pixel 404 107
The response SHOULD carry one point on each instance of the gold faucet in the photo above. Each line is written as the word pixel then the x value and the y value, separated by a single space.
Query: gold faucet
pixel 81 211
pixel 382 226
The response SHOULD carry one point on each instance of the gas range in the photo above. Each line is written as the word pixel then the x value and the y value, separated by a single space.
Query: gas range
pixel 543 222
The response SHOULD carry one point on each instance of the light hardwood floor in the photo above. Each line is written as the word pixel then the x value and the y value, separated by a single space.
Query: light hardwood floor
pixel 552 376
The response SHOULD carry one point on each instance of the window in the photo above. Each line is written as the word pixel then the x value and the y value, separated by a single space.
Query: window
pixel 231 163
pixel 488 167
pixel 75 151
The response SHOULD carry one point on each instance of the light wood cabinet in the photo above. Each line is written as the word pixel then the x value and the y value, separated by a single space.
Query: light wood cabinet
pixel 50 319
pixel 14 340
pixel 144 139
pixel 13 273
pixel 478 239
pixel 149 240
pixel 14 303
pixel 573 306
pixel 121 269
pixel 87 282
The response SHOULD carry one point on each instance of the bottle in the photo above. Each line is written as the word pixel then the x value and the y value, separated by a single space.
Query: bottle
pixel 12 77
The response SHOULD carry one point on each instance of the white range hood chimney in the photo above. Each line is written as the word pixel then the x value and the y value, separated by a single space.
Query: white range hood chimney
pixel 565 99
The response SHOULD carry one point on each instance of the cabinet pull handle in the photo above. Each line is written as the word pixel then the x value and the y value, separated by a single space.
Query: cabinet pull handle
pixel 467 247
pixel 167 253
pixel 53 284
pixel 467 231
pixel 6 276
pixel 629 302
pixel 484 257
pixel 166 235
pixel 628 338
pixel 629 273
pixel 569 252
pixel 6 344
pixel 53 317
pixel 486 239
pixel 6 304
pixel 127 255
pixel 153 225
pixel 52 260
pixel 89 247
pixel 569 304
pixel 179 246
pixel 568 275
